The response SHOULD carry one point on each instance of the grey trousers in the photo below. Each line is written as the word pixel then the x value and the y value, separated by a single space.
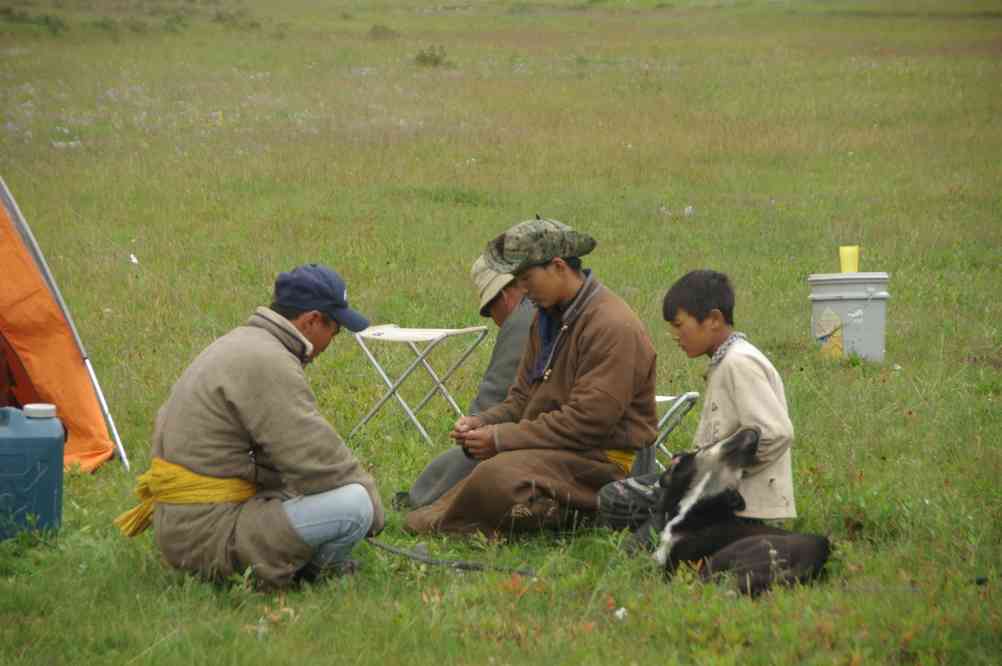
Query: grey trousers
pixel 439 476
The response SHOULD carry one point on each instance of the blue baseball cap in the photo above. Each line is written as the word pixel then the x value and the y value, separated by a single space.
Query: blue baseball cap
pixel 316 287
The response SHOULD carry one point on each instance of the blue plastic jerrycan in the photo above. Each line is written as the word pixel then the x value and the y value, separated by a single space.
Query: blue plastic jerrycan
pixel 31 469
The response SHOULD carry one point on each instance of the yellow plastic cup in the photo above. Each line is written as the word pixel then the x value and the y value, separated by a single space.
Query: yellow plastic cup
pixel 849 258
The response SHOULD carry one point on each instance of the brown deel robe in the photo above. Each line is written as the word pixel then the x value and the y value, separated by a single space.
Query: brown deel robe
pixel 597 394
pixel 243 409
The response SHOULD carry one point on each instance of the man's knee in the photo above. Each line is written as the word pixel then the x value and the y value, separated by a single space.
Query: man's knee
pixel 358 504
pixel 491 477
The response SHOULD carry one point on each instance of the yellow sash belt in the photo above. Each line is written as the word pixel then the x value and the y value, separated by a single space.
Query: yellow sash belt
pixel 622 457
pixel 168 483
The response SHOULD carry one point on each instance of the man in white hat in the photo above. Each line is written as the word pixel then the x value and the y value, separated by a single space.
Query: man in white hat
pixel 504 301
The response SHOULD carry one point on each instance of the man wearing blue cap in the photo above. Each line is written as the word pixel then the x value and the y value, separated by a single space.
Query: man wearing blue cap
pixel 246 472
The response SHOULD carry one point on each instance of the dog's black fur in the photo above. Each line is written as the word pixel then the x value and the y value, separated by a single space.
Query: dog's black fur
pixel 711 535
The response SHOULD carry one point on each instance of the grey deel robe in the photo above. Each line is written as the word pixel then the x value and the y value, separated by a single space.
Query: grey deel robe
pixel 450 467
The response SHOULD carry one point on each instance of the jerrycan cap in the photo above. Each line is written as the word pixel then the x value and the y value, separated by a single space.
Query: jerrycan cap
pixel 39 410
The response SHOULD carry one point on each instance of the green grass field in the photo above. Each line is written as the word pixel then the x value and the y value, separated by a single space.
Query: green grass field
pixel 221 142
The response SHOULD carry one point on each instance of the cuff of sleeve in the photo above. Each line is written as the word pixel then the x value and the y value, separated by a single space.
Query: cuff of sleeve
pixel 498 439
pixel 488 417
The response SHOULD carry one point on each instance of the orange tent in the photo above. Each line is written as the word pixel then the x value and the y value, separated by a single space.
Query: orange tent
pixel 41 356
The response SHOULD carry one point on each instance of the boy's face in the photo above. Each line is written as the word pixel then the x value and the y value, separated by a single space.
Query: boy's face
pixel 694 337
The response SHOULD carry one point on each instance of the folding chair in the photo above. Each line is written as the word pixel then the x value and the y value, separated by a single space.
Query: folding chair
pixel 412 337
pixel 647 461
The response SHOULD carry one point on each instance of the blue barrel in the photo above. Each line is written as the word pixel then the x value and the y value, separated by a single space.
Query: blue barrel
pixel 31 469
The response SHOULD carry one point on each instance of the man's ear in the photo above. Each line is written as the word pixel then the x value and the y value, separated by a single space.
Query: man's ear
pixel 315 317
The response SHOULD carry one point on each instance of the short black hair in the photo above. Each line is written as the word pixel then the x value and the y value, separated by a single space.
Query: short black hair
pixel 574 263
pixel 698 293
pixel 291 313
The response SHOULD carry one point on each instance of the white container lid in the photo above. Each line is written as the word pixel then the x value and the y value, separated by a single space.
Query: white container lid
pixel 847 278
pixel 39 410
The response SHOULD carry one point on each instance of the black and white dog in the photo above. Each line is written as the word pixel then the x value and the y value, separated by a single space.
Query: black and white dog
pixel 697 523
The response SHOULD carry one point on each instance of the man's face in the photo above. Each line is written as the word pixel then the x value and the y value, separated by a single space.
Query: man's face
pixel 498 309
pixel 695 338
pixel 320 330
pixel 501 307
pixel 542 284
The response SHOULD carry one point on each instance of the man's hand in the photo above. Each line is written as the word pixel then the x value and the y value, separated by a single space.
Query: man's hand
pixel 464 425
pixel 479 443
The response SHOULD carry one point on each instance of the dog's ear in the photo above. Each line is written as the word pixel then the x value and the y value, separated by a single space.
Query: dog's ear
pixel 741 448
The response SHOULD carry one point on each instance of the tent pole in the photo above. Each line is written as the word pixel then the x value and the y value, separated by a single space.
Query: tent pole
pixel 107 415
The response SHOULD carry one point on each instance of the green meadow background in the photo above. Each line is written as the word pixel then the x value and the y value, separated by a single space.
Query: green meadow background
pixel 220 141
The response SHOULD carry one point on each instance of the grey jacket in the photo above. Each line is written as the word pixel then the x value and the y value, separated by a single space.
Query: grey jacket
pixel 504 359
pixel 243 409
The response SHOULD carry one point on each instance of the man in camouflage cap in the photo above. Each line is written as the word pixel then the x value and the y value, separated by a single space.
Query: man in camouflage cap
pixel 581 406
pixel 535 243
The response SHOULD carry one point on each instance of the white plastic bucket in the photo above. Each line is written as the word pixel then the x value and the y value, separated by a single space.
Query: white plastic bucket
pixel 849 313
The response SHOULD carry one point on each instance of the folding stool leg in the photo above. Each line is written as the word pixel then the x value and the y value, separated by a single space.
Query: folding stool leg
pixel 393 386
pixel 440 383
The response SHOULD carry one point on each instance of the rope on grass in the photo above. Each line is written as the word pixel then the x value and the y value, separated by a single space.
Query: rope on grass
pixel 459 565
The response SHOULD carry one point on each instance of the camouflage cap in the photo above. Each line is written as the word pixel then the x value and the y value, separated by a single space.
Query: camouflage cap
pixel 535 242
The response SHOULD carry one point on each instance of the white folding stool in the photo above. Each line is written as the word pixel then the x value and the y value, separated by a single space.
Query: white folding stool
pixel 412 337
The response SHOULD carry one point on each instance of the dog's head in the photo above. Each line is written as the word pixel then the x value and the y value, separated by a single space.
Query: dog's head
pixel 714 473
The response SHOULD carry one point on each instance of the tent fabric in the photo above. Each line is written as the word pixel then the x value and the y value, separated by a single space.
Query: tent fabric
pixel 40 348
pixel 14 376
